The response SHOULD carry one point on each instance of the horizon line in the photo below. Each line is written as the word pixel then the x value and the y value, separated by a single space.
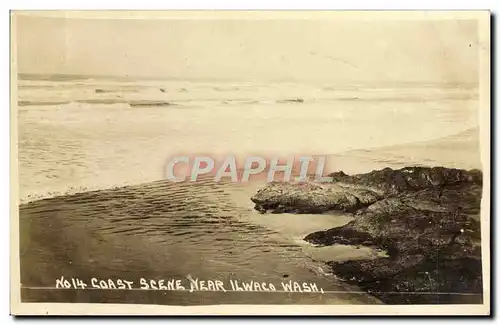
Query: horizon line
pixel 73 76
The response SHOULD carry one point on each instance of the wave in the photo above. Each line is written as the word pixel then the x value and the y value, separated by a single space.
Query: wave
pixel 210 101
pixel 409 99
pixel 297 100
pixel 53 77
pixel 165 95
pixel 101 101
pixel 70 190
pixel 73 190
pixel 41 103
pixel 242 102
pixel 43 90
pixel 143 103
pixel 93 102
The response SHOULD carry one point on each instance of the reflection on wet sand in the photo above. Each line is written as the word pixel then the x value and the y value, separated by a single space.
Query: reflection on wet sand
pixel 158 231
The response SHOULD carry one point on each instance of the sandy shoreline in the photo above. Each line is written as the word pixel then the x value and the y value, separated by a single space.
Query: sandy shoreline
pixel 460 151
pixel 457 151
pixel 82 221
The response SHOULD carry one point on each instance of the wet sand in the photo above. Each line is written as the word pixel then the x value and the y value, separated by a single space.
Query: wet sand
pixel 460 151
pixel 163 230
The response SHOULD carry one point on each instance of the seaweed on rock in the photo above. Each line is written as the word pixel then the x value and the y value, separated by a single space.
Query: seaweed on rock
pixel 427 219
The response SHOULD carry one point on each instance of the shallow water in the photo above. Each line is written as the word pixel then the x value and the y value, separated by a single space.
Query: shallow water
pixel 162 231
pixel 294 227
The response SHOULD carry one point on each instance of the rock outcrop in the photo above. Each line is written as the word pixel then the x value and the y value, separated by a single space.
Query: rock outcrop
pixel 427 219
pixel 303 197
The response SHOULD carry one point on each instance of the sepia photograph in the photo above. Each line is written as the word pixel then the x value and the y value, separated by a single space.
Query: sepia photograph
pixel 250 162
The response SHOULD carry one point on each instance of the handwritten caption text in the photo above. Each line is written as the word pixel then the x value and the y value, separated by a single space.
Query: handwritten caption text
pixel 189 284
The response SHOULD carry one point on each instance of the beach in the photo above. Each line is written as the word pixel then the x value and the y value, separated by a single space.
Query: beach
pixel 73 138
pixel 95 202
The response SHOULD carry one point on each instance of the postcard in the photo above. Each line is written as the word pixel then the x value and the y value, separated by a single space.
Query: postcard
pixel 250 162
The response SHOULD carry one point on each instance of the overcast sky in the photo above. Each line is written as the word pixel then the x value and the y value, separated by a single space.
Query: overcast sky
pixel 303 50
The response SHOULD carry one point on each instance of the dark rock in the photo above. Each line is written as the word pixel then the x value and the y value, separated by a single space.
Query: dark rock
pixel 412 178
pixel 311 198
pixel 426 219
pixel 338 176
pixel 351 193
pixel 417 280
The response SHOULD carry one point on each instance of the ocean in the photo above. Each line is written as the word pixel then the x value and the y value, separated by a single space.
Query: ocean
pixel 92 153
pixel 95 133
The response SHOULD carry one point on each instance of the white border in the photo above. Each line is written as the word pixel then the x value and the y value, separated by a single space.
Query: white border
pixel 186 4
